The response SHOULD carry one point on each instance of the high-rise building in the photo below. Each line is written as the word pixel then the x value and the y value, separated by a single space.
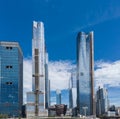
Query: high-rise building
pixel 47 83
pixel 36 100
pixel 58 96
pixel 73 90
pixel 73 81
pixel 64 97
pixel 11 79
pixel 102 102
pixel 85 68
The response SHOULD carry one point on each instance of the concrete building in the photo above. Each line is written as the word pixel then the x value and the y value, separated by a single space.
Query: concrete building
pixel 85 70
pixel 11 79
pixel 37 100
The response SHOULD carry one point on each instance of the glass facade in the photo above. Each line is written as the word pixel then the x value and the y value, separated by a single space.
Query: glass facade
pixel 58 96
pixel 85 73
pixel 64 97
pixel 47 83
pixel 11 79
pixel 102 102
pixel 73 90
pixel 40 83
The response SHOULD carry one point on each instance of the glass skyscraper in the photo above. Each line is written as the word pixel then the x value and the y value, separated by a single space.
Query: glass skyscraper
pixel 102 102
pixel 37 100
pixel 73 90
pixel 58 96
pixel 85 68
pixel 11 79
pixel 47 83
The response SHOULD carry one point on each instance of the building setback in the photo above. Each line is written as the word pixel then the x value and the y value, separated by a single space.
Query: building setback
pixel 37 100
pixel 11 79
pixel 85 68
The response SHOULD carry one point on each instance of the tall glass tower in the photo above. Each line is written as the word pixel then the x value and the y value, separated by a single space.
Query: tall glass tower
pixel 58 96
pixel 73 90
pixel 11 79
pixel 85 68
pixel 37 100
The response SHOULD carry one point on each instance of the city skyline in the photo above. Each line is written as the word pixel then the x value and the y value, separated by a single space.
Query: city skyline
pixel 62 23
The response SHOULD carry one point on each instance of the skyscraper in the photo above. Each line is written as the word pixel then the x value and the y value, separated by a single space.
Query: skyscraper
pixel 36 106
pixel 85 68
pixel 11 79
pixel 47 83
pixel 102 102
pixel 58 96
pixel 73 90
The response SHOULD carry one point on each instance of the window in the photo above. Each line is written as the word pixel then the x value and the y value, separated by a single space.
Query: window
pixel 81 73
pixel 9 83
pixel 9 67
pixel 9 48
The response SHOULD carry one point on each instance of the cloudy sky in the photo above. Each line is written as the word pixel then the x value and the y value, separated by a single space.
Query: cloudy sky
pixel 63 19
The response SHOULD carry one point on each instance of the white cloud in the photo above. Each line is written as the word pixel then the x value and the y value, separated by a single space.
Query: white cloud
pixel 27 77
pixel 108 73
pixel 59 74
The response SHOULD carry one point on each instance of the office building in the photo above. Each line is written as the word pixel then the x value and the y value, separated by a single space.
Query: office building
pixel 36 100
pixel 73 81
pixel 85 68
pixel 102 102
pixel 73 90
pixel 47 83
pixel 58 96
pixel 64 97
pixel 11 79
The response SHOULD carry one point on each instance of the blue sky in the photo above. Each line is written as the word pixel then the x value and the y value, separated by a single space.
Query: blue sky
pixel 63 19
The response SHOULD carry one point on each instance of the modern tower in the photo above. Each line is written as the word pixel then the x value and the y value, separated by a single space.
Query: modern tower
pixel 47 83
pixel 36 106
pixel 102 102
pixel 58 96
pixel 85 68
pixel 11 79
pixel 73 90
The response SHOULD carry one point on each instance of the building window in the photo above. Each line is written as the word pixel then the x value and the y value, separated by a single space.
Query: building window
pixel 9 48
pixel 81 73
pixel 9 67
pixel 9 83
